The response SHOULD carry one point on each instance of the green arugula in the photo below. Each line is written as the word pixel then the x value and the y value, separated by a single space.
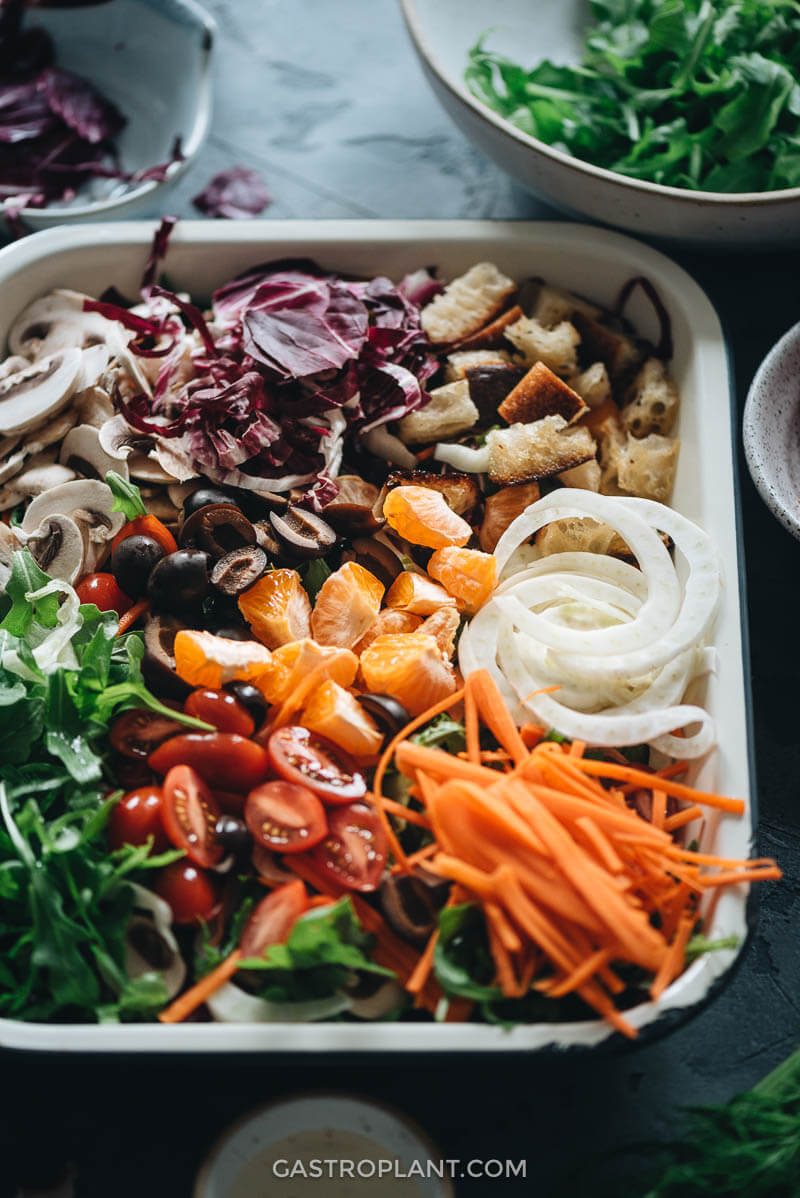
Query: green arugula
pixel 127 496
pixel 699 94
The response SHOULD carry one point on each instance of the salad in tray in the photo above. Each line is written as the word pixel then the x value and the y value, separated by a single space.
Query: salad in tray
pixel 351 656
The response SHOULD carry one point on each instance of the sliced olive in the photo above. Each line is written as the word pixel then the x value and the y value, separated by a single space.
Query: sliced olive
pixel 302 534
pixel 389 714
pixel 179 580
pixel 158 665
pixel 217 528
pixel 203 497
pixel 408 906
pixel 257 505
pixel 132 561
pixel 378 558
pixel 239 569
pixel 251 698
pixel 267 540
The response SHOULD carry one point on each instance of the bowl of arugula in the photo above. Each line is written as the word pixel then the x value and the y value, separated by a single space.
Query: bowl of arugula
pixel 676 119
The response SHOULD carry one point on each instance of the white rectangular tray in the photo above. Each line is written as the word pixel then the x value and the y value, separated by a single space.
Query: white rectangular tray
pixel 594 262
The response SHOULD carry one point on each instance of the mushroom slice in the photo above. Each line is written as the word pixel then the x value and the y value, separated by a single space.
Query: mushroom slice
pixel 12 365
pixel 30 396
pixel 83 453
pixel 42 473
pixel 58 547
pixel 88 502
pixel 57 321
pixel 94 360
pixel 53 432
pixel 119 440
pixel 93 406
pixel 8 544
pixel 147 468
pixel 150 946
pixel 12 465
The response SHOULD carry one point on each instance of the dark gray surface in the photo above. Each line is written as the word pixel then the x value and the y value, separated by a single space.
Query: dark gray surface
pixel 328 101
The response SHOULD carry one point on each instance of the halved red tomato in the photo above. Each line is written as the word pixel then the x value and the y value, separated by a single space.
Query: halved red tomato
pixel 221 709
pixel 190 816
pixel 138 731
pixel 137 817
pixel 285 817
pixel 273 919
pixel 354 851
pixel 190 892
pixel 222 759
pixel 310 760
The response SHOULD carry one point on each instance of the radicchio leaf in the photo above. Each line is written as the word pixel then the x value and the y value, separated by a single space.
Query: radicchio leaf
pixel 236 193
pixel 79 105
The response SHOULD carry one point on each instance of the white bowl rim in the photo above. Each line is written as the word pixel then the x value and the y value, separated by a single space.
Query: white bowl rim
pixel 759 463
pixel 682 194
pixel 189 147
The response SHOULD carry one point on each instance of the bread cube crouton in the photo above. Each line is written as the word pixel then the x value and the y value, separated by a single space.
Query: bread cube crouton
pixel 621 355
pixel 653 407
pixel 646 466
pixel 557 347
pixel 552 305
pixel 461 491
pixel 457 364
pixel 525 452
pixel 575 534
pixel 449 412
pixel 593 384
pixel 491 335
pixel 489 385
pixel 467 304
pixel 587 476
pixel 541 393
pixel 501 509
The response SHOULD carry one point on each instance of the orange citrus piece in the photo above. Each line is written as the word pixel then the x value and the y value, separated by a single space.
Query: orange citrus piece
pixel 334 712
pixel 292 664
pixel 277 608
pixel 443 626
pixel 418 594
pixel 347 604
pixel 410 667
pixel 423 517
pixel 467 574
pixel 391 619
pixel 202 659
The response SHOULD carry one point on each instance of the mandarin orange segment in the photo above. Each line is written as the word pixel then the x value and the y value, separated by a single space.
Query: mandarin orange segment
pixel 417 594
pixel 443 626
pixel 423 517
pixel 346 606
pixel 277 608
pixel 202 659
pixel 391 619
pixel 410 667
pixel 334 712
pixel 467 574
pixel 293 663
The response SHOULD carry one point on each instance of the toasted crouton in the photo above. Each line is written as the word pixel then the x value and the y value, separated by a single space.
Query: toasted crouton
pixel 593 384
pixel 459 363
pixel 621 354
pixel 449 412
pixel 489 385
pixel 587 476
pixel 467 304
pixel 575 534
pixel 654 404
pixel 524 452
pixel 501 508
pixel 552 305
pixel 541 393
pixel 646 466
pixel 557 347
pixel 491 335
pixel 461 491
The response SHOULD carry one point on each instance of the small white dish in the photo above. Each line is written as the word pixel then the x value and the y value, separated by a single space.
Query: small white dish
pixel 152 58
pixel 325 1143
pixel 444 31
pixel 771 430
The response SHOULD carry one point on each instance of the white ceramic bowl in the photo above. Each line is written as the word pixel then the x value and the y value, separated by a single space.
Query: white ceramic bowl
pixel 262 1148
pixel 152 58
pixel 771 430
pixel 443 32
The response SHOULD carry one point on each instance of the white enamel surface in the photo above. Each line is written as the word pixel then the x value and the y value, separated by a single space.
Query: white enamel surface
pixel 443 31
pixel 592 261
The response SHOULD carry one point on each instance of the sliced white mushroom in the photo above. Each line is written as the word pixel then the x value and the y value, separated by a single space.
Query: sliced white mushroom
pixel 52 432
pixel 159 504
pixel 144 467
pixel 174 459
pixel 119 440
pixel 12 364
pixel 12 464
pixel 58 547
pixel 93 406
pixel 83 453
pixel 150 946
pixel 94 360
pixel 41 473
pixel 57 321
pixel 29 397
pixel 88 502
pixel 8 544
pixel 179 492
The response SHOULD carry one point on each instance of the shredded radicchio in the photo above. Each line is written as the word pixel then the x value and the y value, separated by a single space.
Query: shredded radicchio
pixel 289 362
pixel 236 193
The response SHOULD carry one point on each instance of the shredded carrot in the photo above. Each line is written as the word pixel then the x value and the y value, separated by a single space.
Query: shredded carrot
pixel 471 726
pixel 531 735
pixel 577 748
pixel 419 977
pixel 627 773
pixel 129 618
pixel 681 818
pixel 407 813
pixel 659 808
pixel 191 999
pixel 496 715
pixel 673 960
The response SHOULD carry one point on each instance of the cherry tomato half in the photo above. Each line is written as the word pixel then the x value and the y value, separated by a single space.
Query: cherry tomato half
pixel 285 817
pixel 137 817
pixel 147 526
pixel 222 759
pixel 190 892
pixel 273 919
pixel 138 731
pixel 310 760
pixel 190 816
pixel 355 849
pixel 221 709
pixel 103 591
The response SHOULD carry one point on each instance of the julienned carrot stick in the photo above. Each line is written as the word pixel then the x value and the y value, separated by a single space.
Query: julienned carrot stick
pixel 411 757
pixel 508 937
pixel 129 618
pixel 673 962
pixel 504 970
pixel 471 726
pixel 681 818
pixel 659 808
pixel 600 843
pixel 496 715
pixel 407 813
pixel 583 973
pixel 191 999
pixel 627 773
pixel 422 970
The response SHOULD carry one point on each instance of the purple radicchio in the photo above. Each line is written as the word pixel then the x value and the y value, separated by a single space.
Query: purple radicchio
pixel 236 193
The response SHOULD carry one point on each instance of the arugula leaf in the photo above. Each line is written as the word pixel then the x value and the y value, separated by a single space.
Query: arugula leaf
pixel 461 960
pixel 443 733
pixel 313 574
pixel 26 577
pixel 127 496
